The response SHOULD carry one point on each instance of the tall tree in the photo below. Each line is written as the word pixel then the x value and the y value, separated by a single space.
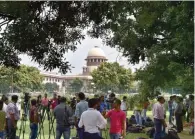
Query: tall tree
pixel 112 76
pixel 24 78
pixel 44 30
pixel 159 33
pixel 76 85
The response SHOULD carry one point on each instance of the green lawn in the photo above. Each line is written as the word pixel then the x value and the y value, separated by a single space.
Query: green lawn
pixel 183 135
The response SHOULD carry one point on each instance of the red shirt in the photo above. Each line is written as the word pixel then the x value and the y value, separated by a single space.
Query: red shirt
pixel 34 115
pixel 54 103
pixel 116 121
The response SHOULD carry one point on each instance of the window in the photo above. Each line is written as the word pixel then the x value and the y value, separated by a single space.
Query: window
pixel 95 60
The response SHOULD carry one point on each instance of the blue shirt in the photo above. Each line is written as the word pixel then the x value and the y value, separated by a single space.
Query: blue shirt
pixel 80 108
pixel 103 106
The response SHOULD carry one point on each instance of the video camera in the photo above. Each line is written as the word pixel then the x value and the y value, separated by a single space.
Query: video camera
pixel 26 97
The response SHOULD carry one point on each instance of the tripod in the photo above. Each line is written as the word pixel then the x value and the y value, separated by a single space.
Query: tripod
pixel 51 125
pixel 46 111
pixel 22 126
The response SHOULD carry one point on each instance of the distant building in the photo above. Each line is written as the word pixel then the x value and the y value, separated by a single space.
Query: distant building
pixel 95 57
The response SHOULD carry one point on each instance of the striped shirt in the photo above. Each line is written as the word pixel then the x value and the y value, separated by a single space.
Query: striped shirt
pixel 12 109
pixel 158 111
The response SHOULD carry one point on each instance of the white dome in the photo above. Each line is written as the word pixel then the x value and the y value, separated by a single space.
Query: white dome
pixel 96 52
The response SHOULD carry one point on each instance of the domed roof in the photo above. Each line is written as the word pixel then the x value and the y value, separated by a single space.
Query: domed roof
pixel 96 52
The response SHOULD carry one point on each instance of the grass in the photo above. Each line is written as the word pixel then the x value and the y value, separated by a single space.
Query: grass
pixel 183 135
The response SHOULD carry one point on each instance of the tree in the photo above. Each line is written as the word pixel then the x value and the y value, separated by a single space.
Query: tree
pixel 23 79
pixel 112 76
pixel 142 31
pixel 51 87
pixel 44 30
pixel 76 85
pixel 159 33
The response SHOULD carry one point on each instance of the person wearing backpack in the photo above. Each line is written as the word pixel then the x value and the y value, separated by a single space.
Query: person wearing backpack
pixel 62 113
pixel 179 112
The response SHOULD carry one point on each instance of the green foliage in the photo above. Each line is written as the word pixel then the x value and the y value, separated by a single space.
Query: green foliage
pixel 76 85
pixel 22 79
pixel 159 33
pixel 45 30
pixel 51 87
pixel 112 76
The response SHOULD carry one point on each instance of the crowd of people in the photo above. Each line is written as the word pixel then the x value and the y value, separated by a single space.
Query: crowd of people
pixel 80 111
pixel 179 111
pixel 89 115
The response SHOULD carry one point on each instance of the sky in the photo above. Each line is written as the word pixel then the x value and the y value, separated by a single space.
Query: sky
pixel 76 58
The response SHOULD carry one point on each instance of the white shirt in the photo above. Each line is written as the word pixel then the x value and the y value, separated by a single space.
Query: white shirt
pixel 4 107
pixel 92 120
pixel 18 104
pixel 158 111
pixel 123 106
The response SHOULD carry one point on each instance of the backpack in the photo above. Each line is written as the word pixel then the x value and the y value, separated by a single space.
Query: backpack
pixel 172 134
pixel 134 129
pixel 150 132
pixel 149 124
pixel 132 120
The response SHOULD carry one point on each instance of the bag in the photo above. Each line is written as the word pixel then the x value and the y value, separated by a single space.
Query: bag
pixel 148 119
pixel 70 119
pixel 150 132
pixel 134 129
pixel 132 120
pixel 172 134
pixel 149 124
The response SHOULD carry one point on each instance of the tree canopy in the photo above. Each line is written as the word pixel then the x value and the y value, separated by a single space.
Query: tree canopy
pixel 23 79
pixel 44 30
pixel 160 33
pixel 112 76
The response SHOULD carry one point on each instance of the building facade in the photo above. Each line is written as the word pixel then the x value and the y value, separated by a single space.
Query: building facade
pixel 95 57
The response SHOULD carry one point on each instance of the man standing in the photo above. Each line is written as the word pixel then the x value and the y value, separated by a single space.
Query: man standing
pixel 103 105
pixel 170 107
pixel 158 114
pixel 92 120
pixel 178 114
pixel 54 101
pixel 124 106
pixel 13 116
pixel 62 113
pixel 45 105
pixel 117 121
pixel 80 108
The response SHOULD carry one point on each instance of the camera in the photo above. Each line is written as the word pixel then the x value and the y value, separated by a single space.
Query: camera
pixel 26 97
